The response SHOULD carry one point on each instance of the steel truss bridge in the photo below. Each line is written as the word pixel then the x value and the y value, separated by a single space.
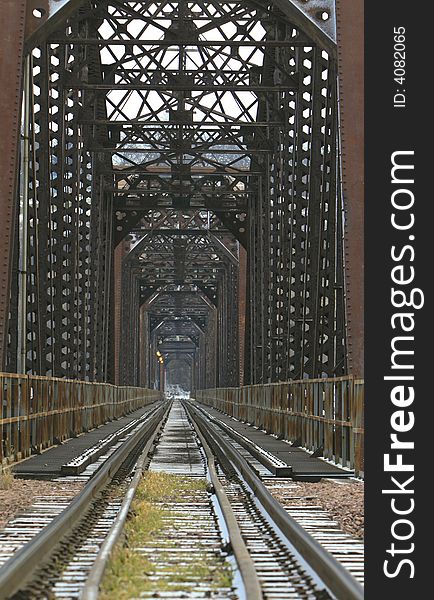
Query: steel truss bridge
pixel 182 178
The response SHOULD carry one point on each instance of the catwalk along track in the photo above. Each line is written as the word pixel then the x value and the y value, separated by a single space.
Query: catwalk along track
pixel 212 527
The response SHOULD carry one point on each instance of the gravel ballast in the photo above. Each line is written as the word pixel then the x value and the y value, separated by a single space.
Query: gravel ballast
pixel 22 493
pixel 342 499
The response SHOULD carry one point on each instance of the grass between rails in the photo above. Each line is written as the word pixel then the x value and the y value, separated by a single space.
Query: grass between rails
pixel 129 573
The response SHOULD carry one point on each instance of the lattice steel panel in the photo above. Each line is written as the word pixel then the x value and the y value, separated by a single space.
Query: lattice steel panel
pixel 216 119
pixel 69 241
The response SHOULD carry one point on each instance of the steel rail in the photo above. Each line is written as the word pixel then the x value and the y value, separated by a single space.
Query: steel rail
pixel 245 564
pixel 91 587
pixel 338 580
pixel 244 561
pixel 20 569
pixel 273 464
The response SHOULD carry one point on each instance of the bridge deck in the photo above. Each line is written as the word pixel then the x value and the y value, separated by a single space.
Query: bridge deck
pixel 303 465
pixel 49 463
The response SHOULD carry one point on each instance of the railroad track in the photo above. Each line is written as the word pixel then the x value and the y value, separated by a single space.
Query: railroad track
pixel 233 524
pixel 74 526
pixel 289 560
pixel 346 549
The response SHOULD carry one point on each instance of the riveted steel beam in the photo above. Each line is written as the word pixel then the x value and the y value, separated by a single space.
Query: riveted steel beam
pixel 264 163
pixel 316 18
pixel 45 16
pixel 351 80
pixel 12 17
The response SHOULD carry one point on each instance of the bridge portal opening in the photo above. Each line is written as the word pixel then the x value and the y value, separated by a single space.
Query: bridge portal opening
pixel 178 379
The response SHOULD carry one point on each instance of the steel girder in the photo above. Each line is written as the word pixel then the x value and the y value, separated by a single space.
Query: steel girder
pixel 296 318
pixel 12 13
pixel 229 107
pixel 283 143
pixel 351 66
pixel 317 17
pixel 67 285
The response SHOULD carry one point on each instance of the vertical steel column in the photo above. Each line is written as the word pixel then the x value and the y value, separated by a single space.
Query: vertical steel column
pixel 118 255
pixel 242 307
pixel 128 324
pixel 12 15
pixel 350 34
pixel 143 357
pixel 24 218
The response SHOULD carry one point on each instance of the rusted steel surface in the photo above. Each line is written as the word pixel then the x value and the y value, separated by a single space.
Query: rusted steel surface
pixel 37 412
pixel 350 35
pixel 317 414
pixel 119 253
pixel 37 13
pixel 242 291
pixel 358 420
pixel 315 17
pixel 12 16
pixel 43 16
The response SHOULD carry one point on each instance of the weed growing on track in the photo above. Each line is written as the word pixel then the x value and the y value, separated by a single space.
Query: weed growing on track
pixel 129 572
pixel 6 479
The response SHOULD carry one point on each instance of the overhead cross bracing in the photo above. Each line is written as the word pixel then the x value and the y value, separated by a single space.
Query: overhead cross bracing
pixel 199 133
pixel 187 273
